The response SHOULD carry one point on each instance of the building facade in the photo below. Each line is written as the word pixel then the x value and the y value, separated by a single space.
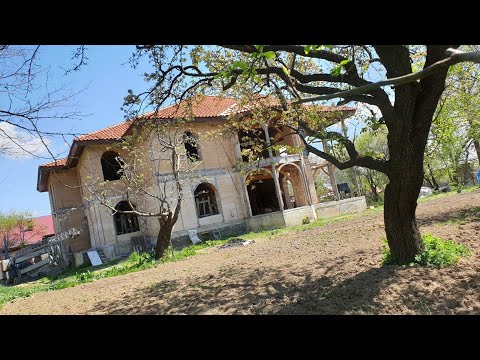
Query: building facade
pixel 224 198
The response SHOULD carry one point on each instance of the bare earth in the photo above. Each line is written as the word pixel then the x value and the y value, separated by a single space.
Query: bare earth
pixel 332 269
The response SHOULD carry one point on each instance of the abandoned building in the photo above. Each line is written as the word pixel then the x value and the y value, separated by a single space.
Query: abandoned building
pixel 226 201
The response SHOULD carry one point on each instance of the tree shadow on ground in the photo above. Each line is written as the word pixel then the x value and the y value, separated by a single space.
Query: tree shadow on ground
pixel 454 216
pixel 257 291
pixel 273 291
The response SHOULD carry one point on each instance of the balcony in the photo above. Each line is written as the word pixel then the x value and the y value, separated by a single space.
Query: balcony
pixel 273 160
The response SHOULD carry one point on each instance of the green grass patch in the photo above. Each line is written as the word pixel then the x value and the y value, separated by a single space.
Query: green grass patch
pixel 70 278
pixel 438 252
pixel 10 293
pixel 463 216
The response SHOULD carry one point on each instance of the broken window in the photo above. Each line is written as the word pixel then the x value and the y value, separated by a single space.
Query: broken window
pixel 111 166
pixel 205 200
pixel 191 146
pixel 125 223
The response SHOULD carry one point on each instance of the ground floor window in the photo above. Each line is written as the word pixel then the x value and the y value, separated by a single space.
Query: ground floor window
pixel 125 223
pixel 205 200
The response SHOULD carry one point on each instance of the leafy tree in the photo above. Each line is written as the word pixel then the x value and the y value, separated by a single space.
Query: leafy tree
pixel 373 143
pixel 456 126
pixel 298 74
pixel 13 226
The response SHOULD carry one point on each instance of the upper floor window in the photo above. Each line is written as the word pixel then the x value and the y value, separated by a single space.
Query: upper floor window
pixel 125 223
pixel 205 200
pixel 191 146
pixel 111 165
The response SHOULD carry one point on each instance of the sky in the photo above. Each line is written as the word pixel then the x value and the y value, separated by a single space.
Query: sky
pixel 103 83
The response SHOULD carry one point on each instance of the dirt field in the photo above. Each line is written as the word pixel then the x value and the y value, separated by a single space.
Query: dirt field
pixel 332 269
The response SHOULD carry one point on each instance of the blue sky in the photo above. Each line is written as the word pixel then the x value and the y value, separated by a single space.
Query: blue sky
pixel 105 82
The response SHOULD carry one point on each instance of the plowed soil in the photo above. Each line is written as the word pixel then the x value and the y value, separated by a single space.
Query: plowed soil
pixel 333 269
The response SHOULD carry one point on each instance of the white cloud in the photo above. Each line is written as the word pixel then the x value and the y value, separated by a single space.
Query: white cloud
pixel 17 143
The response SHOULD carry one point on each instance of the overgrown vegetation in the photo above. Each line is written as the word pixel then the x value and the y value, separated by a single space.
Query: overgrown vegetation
pixel 438 252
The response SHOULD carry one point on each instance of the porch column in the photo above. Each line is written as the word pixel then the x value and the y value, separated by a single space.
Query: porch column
pixel 354 170
pixel 274 170
pixel 238 157
pixel 288 202
pixel 303 175
pixel 236 146
pixel 331 172
pixel 245 196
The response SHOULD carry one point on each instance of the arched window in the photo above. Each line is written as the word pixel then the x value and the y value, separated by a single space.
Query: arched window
pixel 205 200
pixel 125 223
pixel 111 166
pixel 191 146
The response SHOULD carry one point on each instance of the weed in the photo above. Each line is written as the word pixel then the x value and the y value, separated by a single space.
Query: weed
pixel 437 253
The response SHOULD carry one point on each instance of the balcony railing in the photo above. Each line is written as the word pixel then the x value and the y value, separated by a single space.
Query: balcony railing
pixel 274 160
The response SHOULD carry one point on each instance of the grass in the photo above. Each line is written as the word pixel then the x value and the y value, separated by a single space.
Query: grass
pixel 437 253
pixel 136 262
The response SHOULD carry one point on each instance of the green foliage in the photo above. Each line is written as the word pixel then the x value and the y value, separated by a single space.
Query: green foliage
pixel 10 293
pixel 12 224
pixel 373 143
pixel 306 220
pixel 438 252
pixel 84 276
pixel 139 259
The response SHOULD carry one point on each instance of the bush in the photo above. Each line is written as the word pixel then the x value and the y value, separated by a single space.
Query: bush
pixel 306 220
pixel 438 252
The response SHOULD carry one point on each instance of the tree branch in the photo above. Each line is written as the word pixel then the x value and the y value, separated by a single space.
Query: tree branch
pixel 455 57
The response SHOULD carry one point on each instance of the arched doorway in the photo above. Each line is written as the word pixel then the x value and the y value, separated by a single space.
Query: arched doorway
pixel 261 192
pixel 292 186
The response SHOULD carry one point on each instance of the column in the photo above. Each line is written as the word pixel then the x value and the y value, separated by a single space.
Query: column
pixel 238 156
pixel 288 202
pixel 331 172
pixel 274 170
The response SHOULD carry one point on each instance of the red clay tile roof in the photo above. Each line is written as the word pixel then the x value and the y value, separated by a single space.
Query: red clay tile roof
pixel 207 106
pixel 60 162
pixel 113 132
pixel 274 102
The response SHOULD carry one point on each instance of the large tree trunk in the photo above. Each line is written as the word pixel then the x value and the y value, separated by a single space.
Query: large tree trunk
pixel 406 175
pixel 164 235
pixel 400 223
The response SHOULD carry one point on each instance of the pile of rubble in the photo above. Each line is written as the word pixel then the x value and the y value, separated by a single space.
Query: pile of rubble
pixel 235 242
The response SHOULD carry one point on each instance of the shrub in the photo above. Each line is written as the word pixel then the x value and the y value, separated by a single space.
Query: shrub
pixel 306 220
pixel 438 252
